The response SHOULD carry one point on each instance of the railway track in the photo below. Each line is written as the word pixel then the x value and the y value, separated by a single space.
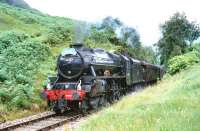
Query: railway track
pixel 43 121
pixel 40 122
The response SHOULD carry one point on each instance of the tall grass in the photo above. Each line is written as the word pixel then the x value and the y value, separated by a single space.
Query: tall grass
pixel 171 105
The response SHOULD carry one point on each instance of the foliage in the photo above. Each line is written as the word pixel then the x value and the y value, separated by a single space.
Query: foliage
pixel 122 33
pixel 21 58
pixel 196 47
pixel 130 37
pixel 57 35
pixel 29 41
pixel 147 54
pixel 19 62
pixel 103 35
pixel 126 39
pixel 18 3
pixel 25 17
pixel 142 53
pixel 177 35
pixel 10 38
pixel 110 22
pixel 106 46
pixel 172 104
pixel 178 63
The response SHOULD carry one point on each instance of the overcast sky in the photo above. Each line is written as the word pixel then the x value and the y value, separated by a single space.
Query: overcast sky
pixel 144 15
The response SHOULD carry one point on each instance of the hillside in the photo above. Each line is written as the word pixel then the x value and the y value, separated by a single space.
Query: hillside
pixel 172 104
pixel 30 42
pixel 17 3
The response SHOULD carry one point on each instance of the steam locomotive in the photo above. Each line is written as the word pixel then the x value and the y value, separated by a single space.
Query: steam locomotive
pixel 88 78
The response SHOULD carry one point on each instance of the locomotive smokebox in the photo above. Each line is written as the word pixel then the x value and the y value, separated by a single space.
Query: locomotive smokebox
pixel 70 63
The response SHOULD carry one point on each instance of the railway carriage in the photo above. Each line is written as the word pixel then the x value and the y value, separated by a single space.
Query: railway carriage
pixel 88 78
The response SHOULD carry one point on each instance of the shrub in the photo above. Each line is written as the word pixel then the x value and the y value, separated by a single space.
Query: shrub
pixel 29 20
pixel 181 62
pixel 57 35
pixel 4 94
pixel 22 59
pixel 196 47
pixel 21 96
pixel 10 38
pixel 19 62
pixel 21 55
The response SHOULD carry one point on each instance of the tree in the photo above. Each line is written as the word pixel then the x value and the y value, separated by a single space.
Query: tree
pixel 194 33
pixel 17 3
pixel 112 23
pixel 177 35
pixel 130 37
pixel 118 33
pixel 103 35
pixel 126 39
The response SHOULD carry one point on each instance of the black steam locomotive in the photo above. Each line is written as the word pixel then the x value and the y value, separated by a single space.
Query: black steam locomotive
pixel 88 78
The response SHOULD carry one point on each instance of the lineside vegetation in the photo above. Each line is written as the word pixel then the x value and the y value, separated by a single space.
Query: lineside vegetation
pixel 172 104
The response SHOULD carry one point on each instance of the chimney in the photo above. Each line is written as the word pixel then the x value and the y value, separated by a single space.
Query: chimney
pixel 76 45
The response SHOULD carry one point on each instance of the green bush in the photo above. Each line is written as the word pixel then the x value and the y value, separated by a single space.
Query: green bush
pixel 181 62
pixel 21 96
pixel 57 35
pixel 10 38
pixel 24 54
pixel 196 47
pixel 28 20
pixel 19 62
pixel 21 59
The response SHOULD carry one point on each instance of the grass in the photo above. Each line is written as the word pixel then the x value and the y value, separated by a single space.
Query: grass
pixel 16 113
pixel 171 105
